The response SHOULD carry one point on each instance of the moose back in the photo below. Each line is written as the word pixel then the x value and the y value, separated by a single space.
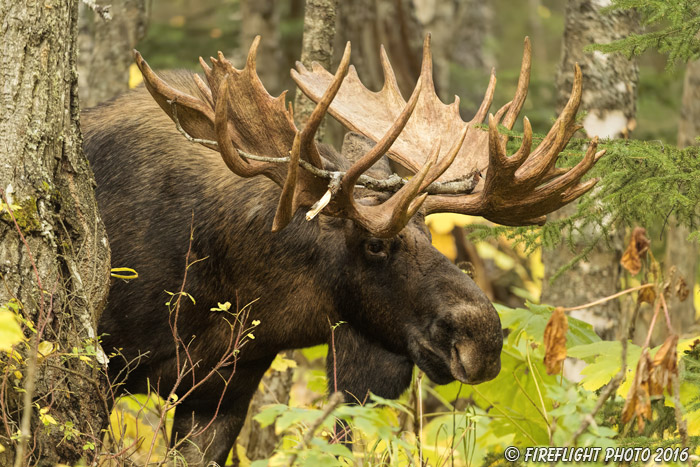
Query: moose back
pixel 173 207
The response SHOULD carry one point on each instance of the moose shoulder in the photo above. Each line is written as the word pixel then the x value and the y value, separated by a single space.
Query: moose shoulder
pixel 366 259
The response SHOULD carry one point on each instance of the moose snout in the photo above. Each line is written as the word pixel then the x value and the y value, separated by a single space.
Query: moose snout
pixel 470 366
pixel 475 355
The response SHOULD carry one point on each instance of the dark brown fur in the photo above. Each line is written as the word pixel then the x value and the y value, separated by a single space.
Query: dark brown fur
pixel 403 301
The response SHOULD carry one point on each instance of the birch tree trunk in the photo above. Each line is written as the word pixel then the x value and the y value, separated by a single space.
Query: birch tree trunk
pixel 609 97
pixel 54 257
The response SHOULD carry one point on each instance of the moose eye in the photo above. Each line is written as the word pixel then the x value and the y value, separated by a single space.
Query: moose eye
pixel 376 248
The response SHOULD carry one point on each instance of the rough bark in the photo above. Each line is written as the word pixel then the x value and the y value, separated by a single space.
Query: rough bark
pixel 609 94
pixel 679 252
pixel 60 275
pixel 262 17
pixel 317 46
pixel 106 48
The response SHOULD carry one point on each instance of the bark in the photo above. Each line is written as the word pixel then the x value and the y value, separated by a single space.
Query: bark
pixel 317 46
pixel 368 25
pixel 679 252
pixel 260 443
pixel 106 48
pixel 60 275
pixel 262 17
pixel 609 94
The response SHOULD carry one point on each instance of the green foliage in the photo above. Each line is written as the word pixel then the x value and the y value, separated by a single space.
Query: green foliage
pixel 675 25
pixel 523 406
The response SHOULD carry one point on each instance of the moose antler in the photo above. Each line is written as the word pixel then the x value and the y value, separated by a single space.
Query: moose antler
pixel 515 190
pixel 235 115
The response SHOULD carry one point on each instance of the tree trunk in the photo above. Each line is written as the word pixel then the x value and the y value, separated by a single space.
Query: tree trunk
pixel 368 25
pixel 58 268
pixel 317 46
pixel 679 252
pixel 106 49
pixel 458 30
pixel 609 94
pixel 262 17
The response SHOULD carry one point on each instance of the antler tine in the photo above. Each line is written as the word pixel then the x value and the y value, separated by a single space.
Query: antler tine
pixel 571 177
pixel 488 98
pixel 382 146
pixel 545 156
pixel 402 206
pixel 314 121
pixel 497 150
pixel 517 159
pixel 447 160
pixel 523 84
pixel 391 86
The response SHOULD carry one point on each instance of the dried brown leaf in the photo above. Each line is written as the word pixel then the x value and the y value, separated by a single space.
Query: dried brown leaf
pixel 637 247
pixel 638 400
pixel 555 341
pixel 664 366
pixel 647 295
pixel 682 291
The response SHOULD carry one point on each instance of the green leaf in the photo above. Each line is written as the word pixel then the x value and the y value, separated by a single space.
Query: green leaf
pixel 269 414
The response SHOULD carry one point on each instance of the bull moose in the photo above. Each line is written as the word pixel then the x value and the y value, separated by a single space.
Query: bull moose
pixel 364 258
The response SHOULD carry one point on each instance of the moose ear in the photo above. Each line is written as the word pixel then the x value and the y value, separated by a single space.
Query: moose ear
pixel 194 115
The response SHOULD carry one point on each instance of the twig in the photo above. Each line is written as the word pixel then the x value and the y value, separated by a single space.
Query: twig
pixel 678 411
pixel 608 298
pixel 668 317
pixel 419 414
pixel 333 402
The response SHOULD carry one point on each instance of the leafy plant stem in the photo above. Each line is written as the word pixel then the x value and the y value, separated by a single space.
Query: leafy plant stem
pixel 543 412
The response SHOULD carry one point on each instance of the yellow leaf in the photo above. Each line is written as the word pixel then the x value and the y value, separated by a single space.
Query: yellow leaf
pixel 130 273
pixel 443 223
pixel 18 374
pixel 45 349
pixel 445 244
pixel 135 77
pixel 250 335
pixel 281 363
pixel 10 331
pixel 255 322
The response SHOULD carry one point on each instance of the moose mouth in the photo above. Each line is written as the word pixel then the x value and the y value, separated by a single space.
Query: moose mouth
pixel 457 364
